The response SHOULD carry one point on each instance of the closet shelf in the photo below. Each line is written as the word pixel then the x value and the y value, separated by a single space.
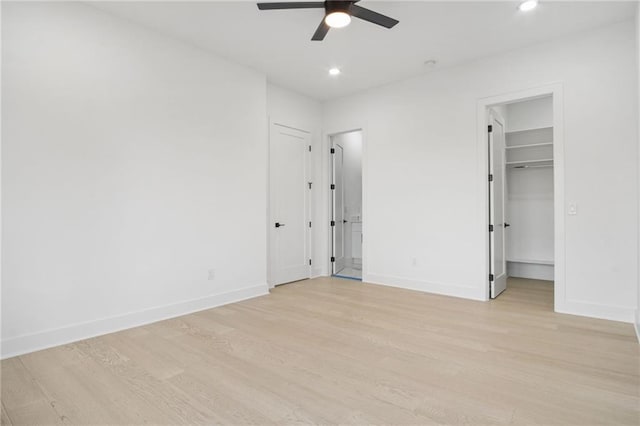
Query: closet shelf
pixel 528 130
pixel 533 261
pixel 541 162
pixel 530 145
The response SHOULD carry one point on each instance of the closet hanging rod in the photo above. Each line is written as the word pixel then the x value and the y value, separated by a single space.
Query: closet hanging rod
pixel 533 167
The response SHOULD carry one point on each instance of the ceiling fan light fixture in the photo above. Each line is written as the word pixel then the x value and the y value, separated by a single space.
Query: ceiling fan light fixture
pixel 528 5
pixel 337 19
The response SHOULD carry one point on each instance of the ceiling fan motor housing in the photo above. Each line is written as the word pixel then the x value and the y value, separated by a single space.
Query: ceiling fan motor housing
pixel 331 6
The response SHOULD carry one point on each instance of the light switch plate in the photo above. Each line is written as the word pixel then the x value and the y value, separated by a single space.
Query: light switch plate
pixel 573 209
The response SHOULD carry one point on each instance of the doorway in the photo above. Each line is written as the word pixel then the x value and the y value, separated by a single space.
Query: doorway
pixel 522 195
pixel 289 205
pixel 346 205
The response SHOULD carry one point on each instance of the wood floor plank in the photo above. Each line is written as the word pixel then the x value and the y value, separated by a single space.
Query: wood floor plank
pixel 39 412
pixel 86 393
pixel 335 351
pixel 23 399
pixel 19 388
pixel 4 417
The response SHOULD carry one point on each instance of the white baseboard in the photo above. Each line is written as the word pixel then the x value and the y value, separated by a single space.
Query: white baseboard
pixel 46 339
pixel 593 310
pixel 317 272
pixel 445 289
pixel 534 271
pixel 636 324
pixel 612 313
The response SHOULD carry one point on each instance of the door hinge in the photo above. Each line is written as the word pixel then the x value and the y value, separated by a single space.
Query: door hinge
pixel 333 259
pixel 490 228
pixel 333 223
pixel 310 183
pixel 333 186
pixel 490 128
pixel 309 148
pixel 309 224
pixel 490 277
pixel 333 151
pixel 490 178
pixel 309 262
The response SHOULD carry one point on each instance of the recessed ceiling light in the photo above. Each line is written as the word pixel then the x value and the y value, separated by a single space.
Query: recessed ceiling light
pixel 334 71
pixel 430 63
pixel 528 5
pixel 337 19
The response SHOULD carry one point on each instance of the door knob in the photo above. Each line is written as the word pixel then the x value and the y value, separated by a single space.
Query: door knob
pixel 506 225
pixel 278 224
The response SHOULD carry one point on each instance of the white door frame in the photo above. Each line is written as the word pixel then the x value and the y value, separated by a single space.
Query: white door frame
pixel 308 207
pixel 328 204
pixel 483 106
pixel 335 265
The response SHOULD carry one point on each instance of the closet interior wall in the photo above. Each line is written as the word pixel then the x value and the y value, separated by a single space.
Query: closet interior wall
pixel 529 174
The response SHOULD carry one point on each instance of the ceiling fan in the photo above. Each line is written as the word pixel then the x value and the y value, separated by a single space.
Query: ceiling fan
pixel 337 14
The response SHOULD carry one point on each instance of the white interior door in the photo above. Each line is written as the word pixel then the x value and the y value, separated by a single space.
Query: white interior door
pixel 338 208
pixel 289 205
pixel 497 195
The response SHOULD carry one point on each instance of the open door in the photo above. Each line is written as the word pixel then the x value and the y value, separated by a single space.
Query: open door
pixel 497 193
pixel 338 219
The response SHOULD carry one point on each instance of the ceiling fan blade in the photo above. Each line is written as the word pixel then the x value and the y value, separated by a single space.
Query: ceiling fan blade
pixel 371 16
pixel 321 32
pixel 292 5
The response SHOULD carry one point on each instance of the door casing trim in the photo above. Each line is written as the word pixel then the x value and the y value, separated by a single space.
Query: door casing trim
pixel 483 106
pixel 328 168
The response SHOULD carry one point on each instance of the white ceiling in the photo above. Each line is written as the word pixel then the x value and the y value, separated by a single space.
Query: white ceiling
pixel 278 42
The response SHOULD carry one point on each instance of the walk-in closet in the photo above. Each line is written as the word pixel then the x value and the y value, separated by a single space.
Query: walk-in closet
pixel 529 183
pixel 521 195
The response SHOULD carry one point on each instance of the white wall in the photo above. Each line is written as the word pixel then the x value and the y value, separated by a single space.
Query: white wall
pixel 352 163
pixel 130 164
pixel 1 207
pixel 301 112
pixel 421 158
pixel 637 323
pixel 530 212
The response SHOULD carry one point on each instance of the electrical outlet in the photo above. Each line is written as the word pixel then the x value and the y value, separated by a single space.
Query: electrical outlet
pixel 212 274
pixel 573 209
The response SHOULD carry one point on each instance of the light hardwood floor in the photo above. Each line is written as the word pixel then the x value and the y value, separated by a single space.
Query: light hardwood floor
pixel 338 351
